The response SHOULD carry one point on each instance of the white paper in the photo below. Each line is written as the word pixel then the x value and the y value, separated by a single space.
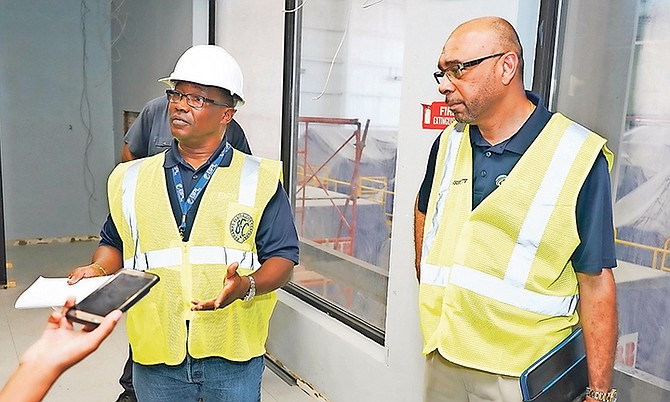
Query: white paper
pixel 52 292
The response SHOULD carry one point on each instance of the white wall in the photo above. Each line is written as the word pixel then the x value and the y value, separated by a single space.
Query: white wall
pixel 252 31
pixel 340 363
pixel 62 109
pixel 56 102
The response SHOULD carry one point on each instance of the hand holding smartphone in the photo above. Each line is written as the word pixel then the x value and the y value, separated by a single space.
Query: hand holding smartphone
pixel 121 292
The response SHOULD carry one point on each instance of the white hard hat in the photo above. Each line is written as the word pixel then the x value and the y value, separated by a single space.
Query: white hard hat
pixel 208 65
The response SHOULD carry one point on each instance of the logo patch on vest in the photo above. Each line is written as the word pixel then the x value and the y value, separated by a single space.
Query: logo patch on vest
pixel 241 227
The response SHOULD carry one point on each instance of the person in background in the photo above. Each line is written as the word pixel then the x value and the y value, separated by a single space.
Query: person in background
pixel 513 226
pixel 216 226
pixel 148 135
pixel 59 348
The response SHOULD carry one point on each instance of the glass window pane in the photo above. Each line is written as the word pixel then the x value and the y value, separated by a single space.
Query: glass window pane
pixel 613 78
pixel 350 80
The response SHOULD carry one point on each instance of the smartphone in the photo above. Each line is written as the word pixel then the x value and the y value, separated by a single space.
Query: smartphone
pixel 121 292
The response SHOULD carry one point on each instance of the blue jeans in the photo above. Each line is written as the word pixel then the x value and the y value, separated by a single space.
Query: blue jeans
pixel 213 379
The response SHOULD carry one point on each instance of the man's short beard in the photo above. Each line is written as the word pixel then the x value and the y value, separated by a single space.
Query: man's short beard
pixel 464 118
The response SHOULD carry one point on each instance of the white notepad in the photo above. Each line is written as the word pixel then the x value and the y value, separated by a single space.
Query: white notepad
pixel 52 292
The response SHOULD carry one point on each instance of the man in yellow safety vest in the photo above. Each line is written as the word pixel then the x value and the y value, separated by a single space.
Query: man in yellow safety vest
pixel 513 229
pixel 216 225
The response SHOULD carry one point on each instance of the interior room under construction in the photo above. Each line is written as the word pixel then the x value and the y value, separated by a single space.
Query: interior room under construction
pixel 342 92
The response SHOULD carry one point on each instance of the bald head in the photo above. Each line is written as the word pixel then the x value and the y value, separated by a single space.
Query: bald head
pixel 494 34
pixel 481 67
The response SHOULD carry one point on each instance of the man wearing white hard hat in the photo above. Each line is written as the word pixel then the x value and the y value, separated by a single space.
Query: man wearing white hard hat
pixel 150 134
pixel 216 226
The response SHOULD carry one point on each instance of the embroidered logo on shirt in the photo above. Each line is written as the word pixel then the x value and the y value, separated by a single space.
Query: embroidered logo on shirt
pixel 500 179
pixel 459 181
pixel 241 227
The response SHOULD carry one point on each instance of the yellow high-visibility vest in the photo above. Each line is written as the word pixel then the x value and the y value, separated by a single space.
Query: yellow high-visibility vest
pixel 497 288
pixel 223 232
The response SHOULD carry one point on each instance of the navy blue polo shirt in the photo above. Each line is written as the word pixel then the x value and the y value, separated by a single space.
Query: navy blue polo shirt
pixel 276 235
pixel 491 164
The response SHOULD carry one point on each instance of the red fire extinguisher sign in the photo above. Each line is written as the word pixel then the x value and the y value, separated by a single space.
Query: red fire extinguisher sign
pixel 436 116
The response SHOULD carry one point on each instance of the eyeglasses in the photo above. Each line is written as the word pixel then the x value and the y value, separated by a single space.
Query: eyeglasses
pixel 456 70
pixel 195 101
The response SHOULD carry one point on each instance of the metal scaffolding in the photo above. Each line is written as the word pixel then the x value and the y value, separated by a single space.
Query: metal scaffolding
pixel 308 175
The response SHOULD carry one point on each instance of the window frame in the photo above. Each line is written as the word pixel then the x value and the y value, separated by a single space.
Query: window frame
pixel 289 138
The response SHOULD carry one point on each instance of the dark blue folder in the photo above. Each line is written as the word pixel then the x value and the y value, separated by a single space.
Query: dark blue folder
pixel 560 375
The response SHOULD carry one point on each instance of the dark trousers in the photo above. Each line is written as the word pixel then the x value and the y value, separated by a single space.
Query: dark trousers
pixel 126 379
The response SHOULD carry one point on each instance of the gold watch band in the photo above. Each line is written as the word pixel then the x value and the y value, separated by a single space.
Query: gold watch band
pixel 601 396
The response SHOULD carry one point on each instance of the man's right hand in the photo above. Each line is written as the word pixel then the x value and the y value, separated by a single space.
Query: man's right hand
pixel 85 271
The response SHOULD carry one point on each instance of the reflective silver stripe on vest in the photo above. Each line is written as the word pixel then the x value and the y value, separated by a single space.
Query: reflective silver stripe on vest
pixel 249 180
pixel 450 162
pixel 498 289
pixel 511 290
pixel 201 255
pixel 536 222
pixel 435 275
pixel 154 259
pixel 501 290
pixel 128 187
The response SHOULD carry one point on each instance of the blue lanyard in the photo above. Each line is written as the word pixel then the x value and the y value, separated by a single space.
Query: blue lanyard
pixel 185 204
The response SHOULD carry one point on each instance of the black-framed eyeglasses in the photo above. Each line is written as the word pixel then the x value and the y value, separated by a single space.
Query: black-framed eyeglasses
pixel 456 70
pixel 195 101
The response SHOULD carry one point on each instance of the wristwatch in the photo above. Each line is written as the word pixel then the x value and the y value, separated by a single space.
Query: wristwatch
pixel 252 289
pixel 609 396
